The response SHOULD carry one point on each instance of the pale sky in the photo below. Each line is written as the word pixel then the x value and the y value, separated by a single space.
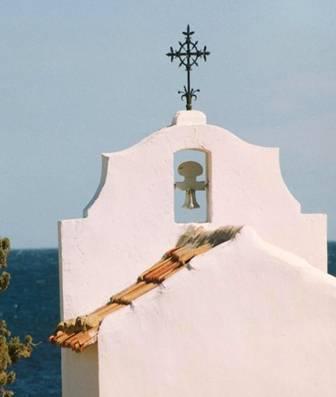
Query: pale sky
pixel 79 78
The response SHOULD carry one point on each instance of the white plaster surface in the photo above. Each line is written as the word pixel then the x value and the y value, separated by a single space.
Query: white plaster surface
pixel 249 320
pixel 186 117
pixel 130 221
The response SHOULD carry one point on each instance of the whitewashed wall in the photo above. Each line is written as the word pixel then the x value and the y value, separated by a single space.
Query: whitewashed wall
pixel 250 320
pixel 130 221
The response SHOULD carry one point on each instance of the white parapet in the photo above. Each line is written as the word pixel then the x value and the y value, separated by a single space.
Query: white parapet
pixel 249 320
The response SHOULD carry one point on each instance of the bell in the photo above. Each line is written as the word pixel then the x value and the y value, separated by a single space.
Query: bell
pixel 190 170
pixel 190 201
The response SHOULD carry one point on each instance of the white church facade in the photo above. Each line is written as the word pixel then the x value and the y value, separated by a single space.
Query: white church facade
pixel 254 316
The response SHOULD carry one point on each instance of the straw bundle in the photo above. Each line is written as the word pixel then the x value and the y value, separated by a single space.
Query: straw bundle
pixel 82 332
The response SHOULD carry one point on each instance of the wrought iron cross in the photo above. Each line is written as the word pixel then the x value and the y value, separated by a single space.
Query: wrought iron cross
pixel 188 55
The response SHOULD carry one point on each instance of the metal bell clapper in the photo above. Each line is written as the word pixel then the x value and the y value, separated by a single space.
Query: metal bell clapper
pixel 190 170
pixel 190 201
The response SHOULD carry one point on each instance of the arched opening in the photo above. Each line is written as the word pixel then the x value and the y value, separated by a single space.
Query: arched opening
pixel 191 196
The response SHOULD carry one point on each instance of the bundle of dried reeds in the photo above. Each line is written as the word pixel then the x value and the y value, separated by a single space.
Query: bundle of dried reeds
pixel 82 332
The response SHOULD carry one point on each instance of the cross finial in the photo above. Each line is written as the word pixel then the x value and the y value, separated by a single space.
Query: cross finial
pixel 188 54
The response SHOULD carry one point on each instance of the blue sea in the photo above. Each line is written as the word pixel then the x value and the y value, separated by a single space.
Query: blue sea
pixel 31 306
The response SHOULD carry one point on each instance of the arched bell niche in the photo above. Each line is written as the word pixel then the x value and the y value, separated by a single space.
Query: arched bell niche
pixel 191 187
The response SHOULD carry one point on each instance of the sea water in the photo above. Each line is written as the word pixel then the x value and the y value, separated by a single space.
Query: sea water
pixel 31 306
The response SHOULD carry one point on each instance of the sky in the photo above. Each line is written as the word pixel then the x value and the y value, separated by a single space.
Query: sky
pixel 84 77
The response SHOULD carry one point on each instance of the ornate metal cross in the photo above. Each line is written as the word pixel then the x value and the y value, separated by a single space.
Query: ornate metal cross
pixel 188 55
